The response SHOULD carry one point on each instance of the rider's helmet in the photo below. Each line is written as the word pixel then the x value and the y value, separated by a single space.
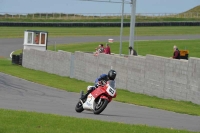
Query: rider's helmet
pixel 112 74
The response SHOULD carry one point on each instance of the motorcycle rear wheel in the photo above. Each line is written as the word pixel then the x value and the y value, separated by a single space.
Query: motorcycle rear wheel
pixel 101 106
pixel 79 107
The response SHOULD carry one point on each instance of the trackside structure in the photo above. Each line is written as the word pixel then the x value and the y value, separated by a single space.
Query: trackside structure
pixel 151 75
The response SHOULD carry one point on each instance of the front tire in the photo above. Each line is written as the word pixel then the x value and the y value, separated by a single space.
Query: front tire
pixel 79 107
pixel 101 106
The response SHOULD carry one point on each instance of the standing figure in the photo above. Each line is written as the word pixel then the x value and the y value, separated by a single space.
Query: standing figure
pixel 132 51
pixel 107 49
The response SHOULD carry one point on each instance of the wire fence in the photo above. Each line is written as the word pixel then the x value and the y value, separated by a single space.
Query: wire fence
pixel 97 15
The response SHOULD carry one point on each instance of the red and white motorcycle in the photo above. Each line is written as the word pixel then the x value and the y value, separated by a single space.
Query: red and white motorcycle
pixel 98 99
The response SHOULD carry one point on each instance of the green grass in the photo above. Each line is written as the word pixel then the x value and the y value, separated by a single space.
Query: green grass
pixel 18 32
pixel 193 10
pixel 160 48
pixel 31 122
pixel 66 83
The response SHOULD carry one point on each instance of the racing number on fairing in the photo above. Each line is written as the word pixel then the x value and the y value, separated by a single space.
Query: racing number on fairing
pixel 111 91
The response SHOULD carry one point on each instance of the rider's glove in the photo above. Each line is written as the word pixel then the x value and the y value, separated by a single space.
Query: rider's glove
pixel 96 85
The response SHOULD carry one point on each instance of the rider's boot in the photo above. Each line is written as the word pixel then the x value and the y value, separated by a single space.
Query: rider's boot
pixel 85 96
pixel 81 93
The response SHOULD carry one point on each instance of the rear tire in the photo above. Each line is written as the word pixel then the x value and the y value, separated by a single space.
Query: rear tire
pixel 79 107
pixel 101 106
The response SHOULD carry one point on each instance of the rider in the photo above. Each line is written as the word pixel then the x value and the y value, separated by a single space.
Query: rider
pixel 99 81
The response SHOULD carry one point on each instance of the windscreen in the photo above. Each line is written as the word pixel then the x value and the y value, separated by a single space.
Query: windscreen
pixel 112 83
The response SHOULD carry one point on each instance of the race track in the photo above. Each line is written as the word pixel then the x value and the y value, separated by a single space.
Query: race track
pixel 19 94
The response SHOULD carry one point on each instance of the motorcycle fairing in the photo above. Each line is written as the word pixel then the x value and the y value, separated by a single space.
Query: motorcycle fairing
pixel 108 89
pixel 111 91
pixel 97 92
pixel 89 104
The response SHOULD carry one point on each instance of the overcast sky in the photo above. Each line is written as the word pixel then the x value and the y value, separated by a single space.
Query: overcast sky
pixel 76 6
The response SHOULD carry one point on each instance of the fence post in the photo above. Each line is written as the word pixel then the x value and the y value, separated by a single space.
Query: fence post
pixel 72 66
pixel 55 46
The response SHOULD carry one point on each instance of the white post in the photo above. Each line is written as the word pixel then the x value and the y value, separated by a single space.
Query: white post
pixel 121 32
pixel 55 46
pixel 132 24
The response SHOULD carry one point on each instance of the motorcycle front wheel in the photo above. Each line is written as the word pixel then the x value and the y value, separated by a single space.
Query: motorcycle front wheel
pixel 99 107
pixel 79 107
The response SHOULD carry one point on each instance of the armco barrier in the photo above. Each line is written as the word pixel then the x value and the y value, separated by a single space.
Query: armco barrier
pixel 95 24
pixel 152 75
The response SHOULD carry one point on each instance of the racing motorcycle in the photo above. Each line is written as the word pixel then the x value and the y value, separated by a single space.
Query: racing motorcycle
pixel 98 99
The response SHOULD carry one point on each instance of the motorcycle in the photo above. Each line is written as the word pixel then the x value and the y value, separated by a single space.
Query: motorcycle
pixel 98 99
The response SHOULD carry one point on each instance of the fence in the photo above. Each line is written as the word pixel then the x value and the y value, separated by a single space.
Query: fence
pixel 98 15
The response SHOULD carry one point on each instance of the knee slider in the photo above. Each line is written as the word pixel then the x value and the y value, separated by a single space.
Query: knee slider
pixel 90 88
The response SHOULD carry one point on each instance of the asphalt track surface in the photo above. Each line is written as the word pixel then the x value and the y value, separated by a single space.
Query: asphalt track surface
pixel 19 94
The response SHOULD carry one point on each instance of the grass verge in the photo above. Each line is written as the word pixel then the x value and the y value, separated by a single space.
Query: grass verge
pixel 18 32
pixel 31 122
pixel 160 48
pixel 67 84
